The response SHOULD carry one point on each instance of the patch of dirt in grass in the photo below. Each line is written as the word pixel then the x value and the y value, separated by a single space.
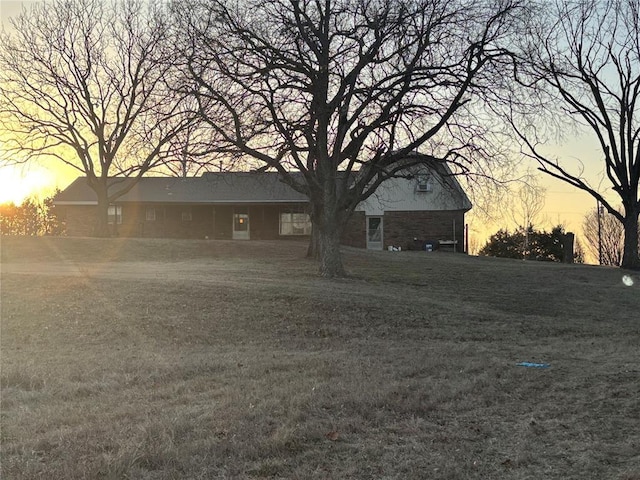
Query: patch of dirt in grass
pixel 191 359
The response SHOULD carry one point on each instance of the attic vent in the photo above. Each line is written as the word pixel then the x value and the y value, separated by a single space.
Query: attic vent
pixel 424 183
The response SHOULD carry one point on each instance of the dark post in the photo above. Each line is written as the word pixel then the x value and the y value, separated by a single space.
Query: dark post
pixel 466 238
pixel 567 247
pixel 599 232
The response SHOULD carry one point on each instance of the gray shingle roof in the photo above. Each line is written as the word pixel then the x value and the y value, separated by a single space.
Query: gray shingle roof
pixel 211 188
pixel 217 188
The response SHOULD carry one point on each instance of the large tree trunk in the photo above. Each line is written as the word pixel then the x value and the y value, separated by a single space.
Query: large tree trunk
pixel 330 255
pixel 630 258
pixel 313 250
pixel 329 221
pixel 101 228
pixel 329 227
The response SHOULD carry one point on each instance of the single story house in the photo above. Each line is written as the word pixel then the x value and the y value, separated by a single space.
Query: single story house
pixel 426 206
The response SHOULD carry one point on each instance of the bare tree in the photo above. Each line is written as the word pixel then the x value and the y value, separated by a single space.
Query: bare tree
pixel 578 252
pixel 346 92
pixel 526 204
pixel 190 153
pixel 582 57
pixel 604 237
pixel 85 83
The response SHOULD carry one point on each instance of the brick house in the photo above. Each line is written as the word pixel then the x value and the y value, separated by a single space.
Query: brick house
pixel 429 206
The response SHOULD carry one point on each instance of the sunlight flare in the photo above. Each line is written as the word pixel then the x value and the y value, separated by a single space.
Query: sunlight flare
pixel 18 184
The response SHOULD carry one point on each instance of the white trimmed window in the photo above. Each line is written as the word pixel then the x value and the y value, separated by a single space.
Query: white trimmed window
pixel 114 214
pixel 151 214
pixel 295 223
pixel 424 183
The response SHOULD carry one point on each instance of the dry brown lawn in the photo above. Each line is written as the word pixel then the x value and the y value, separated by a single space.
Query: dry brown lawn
pixel 158 359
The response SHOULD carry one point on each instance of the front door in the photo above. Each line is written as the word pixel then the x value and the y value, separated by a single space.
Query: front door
pixel 240 226
pixel 374 233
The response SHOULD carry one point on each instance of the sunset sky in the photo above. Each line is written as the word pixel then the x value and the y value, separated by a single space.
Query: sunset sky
pixel 563 204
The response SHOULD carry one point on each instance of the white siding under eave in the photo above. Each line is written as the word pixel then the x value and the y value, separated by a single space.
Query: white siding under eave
pixel 401 195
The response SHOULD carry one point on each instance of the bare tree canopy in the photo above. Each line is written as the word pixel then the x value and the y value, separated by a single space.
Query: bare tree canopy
pixel 604 235
pixel 583 58
pixel 86 83
pixel 346 91
pixel 527 202
pixel 192 151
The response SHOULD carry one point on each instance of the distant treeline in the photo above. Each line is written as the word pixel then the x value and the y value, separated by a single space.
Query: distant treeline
pixel 31 218
pixel 531 244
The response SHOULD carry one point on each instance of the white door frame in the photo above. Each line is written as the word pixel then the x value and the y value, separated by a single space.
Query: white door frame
pixel 241 234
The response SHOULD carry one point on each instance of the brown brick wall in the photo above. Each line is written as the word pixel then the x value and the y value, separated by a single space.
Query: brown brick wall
pixel 211 221
pixel 264 220
pixel 168 221
pixel 354 233
pixel 400 228
pixel 79 221
pixel 207 220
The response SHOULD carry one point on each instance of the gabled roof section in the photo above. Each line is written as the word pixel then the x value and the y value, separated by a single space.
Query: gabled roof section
pixel 449 181
pixel 211 188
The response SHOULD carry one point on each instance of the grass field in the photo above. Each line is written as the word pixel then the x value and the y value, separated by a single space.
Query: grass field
pixel 158 359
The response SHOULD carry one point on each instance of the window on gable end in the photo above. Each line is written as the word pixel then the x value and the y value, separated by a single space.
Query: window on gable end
pixel 424 183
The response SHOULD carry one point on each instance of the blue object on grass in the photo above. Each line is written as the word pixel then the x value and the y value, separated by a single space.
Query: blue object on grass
pixel 533 365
